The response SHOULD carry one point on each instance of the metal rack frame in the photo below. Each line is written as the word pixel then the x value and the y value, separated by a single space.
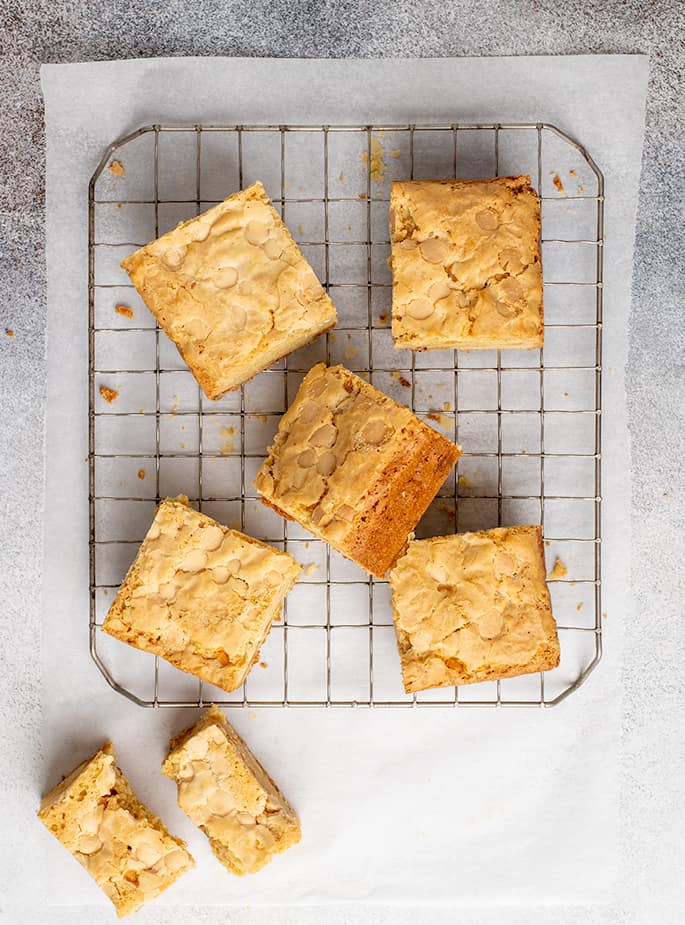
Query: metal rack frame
pixel 452 696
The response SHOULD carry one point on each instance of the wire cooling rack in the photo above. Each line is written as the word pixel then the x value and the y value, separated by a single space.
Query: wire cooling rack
pixel 528 421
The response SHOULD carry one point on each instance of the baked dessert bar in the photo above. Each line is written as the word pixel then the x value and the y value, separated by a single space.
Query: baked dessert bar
pixel 353 467
pixel 232 290
pixel 228 794
pixel 200 595
pixel 466 264
pixel 473 607
pixel 124 847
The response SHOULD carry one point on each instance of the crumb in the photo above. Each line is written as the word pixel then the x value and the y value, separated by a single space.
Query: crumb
pixel 665 495
pixel 119 205
pixel 341 177
pixel 307 544
pixel 440 387
pixel 277 618
pixel 252 715
pixel 124 310
pixel 109 395
pixel 141 410
pixel 605 616
pixel 227 446
pixel 446 406
pixel 117 168
pixel 464 481
pixel 263 418
pixel 548 542
pixel 383 317
pixel 263 664
pixel 9 332
pixel 311 568
pixel 581 188
pixel 350 352
pixel 300 229
pixel 388 263
pixel 106 593
pixel 572 173
pixel 404 382
pixel 447 510
pixel 141 474
pixel 556 180
pixel 558 571
pixel 333 337
pixel 362 195
pixel 579 606
pixel 395 153
pixel 565 394
pixel 174 409
pixel 183 446
pixel 432 416
pixel 286 184
pixel 85 459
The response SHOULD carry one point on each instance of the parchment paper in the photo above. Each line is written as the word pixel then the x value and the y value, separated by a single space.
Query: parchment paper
pixel 397 806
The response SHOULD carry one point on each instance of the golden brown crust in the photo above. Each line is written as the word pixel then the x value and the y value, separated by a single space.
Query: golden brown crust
pixel 201 596
pixel 473 607
pixel 233 291
pixel 354 467
pixel 466 264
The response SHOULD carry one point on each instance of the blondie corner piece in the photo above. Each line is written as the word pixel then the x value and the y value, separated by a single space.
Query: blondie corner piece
pixel 354 467
pixel 466 264
pixel 200 595
pixel 228 794
pixel 124 847
pixel 473 607
pixel 232 290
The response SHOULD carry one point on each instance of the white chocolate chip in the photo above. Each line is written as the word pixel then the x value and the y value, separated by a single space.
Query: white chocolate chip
pixel 272 249
pixel 174 257
pixel 256 232
pixel 325 436
pixel 512 289
pixel 197 746
pixel 510 260
pixel 194 561
pixel 220 802
pixel 225 277
pixel 201 229
pixel 409 244
pixel 90 822
pixel 168 590
pixel 506 311
pixel 420 309
pixel 88 844
pixel 154 532
pixel 490 625
pixel 374 432
pixel 236 318
pixel 175 860
pixel 186 772
pixel 147 854
pixel 211 537
pixel 306 459
pixel 487 219
pixel 149 882
pixel 196 328
pixel 220 574
pixel 438 291
pixel 327 464
pixel 434 250
pixel 345 512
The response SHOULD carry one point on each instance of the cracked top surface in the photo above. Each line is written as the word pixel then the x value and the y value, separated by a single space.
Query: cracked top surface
pixel 232 290
pixel 201 595
pixel 223 789
pixel 123 846
pixel 466 263
pixel 473 607
pixel 338 445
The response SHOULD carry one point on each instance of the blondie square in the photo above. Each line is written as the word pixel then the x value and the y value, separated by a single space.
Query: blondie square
pixel 232 290
pixel 200 595
pixel 228 794
pixel 466 264
pixel 473 607
pixel 353 467
pixel 124 847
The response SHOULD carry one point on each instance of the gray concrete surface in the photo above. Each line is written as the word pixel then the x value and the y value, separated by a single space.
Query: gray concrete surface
pixel 651 784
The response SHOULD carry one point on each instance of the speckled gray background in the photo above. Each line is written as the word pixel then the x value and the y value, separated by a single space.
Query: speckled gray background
pixel 653 770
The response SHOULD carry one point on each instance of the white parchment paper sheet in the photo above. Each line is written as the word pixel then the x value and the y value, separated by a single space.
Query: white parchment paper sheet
pixel 472 806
